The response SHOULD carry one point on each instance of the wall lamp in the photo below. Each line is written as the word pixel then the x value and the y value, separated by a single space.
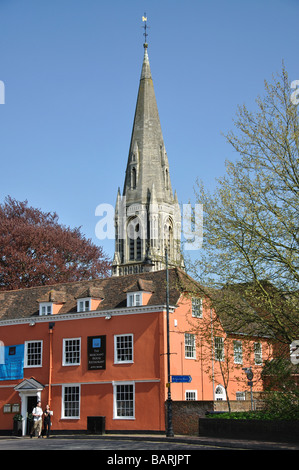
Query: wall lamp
pixel 108 317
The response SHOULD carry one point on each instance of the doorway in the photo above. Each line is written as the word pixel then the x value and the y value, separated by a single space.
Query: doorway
pixel 31 403
pixel 30 392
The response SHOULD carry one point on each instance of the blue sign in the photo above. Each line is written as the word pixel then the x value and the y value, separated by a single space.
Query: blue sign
pixel 181 378
pixel 11 362
pixel 96 342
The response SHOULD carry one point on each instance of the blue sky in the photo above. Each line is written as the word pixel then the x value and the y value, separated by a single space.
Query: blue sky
pixel 71 71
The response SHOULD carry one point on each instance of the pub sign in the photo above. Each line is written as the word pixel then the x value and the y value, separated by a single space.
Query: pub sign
pixel 96 352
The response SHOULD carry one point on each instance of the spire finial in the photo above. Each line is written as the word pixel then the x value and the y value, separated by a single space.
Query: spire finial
pixel 144 19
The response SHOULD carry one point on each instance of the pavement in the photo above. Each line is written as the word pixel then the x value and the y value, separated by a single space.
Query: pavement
pixel 129 442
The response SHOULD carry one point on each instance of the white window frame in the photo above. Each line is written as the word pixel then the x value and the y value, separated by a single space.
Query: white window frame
pixel 63 416
pixel 238 352
pixel 134 299
pixel 190 395
pixel 190 346
pixel 117 360
pixel 64 358
pixel 240 396
pixel 196 307
pixel 26 364
pixel 219 348
pixel 45 308
pixel 220 394
pixel 84 305
pixel 115 401
pixel 258 353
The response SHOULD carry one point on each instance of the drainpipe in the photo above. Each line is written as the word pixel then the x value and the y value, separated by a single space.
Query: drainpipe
pixel 212 341
pixel 51 326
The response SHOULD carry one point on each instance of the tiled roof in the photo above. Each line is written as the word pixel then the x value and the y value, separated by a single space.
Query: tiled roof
pixel 24 303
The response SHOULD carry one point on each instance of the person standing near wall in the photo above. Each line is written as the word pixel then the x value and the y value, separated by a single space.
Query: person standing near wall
pixel 37 413
pixel 47 421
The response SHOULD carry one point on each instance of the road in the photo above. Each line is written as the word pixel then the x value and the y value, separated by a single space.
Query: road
pixel 116 445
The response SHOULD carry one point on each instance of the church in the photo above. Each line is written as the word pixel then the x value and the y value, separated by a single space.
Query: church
pixel 113 351
pixel 147 214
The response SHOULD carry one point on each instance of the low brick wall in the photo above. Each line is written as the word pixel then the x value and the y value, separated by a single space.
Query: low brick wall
pixel 185 414
pixel 277 431
pixel 189 418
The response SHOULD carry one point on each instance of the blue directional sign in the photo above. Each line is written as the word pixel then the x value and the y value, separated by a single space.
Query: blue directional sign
pixel 181 378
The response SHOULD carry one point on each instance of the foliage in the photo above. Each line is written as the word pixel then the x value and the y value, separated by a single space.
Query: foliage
pixel 36 250
pixel 282 397
pixel 283 405
pixel 18 417
pixel 251 229
pixel 273 414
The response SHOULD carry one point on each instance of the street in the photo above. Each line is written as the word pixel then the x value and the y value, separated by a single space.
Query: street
pixel 95 443
pixel 112 445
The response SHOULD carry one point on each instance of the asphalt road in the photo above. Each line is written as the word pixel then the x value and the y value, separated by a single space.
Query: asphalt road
pixel 114 445
pixel 128 445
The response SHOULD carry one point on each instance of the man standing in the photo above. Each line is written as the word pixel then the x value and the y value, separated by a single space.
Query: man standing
pixel 37 420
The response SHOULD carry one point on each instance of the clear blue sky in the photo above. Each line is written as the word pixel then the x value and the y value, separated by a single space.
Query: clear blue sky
pixel 71 71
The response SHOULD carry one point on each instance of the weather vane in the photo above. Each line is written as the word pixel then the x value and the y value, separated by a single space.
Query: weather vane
pixel 144 19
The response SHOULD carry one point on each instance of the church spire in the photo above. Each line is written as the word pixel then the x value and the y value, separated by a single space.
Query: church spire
pixel 147 186
pixel 147 161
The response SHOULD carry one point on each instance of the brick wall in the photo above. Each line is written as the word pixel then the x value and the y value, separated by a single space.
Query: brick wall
pixel 185 414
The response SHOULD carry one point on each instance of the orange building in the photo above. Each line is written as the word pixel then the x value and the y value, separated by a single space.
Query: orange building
pixel 99 348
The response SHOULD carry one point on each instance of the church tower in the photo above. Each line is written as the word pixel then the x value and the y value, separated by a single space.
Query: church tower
pixel 147 214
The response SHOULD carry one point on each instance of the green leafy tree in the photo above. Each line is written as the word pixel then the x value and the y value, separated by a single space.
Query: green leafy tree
pixel 251 220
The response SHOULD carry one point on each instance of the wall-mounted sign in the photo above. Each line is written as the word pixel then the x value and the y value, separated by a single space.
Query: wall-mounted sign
pixel 181 378
pixel 96 352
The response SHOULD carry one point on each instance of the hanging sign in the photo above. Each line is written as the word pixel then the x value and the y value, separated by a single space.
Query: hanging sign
pixel 96 352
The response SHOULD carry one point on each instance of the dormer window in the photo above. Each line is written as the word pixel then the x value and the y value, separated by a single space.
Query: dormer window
pixel 89 299
pixel 139 293
pixel 46 308
pixel 50 303
pixel 83 305
pixel 134 299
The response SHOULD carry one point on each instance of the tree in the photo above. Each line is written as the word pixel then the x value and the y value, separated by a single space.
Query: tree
pixel 225 349
pixel 281 382
pixel 36 250
pixel 251 228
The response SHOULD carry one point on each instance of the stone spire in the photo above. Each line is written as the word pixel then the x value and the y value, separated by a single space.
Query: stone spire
pixel 147 216
pixel 147 161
